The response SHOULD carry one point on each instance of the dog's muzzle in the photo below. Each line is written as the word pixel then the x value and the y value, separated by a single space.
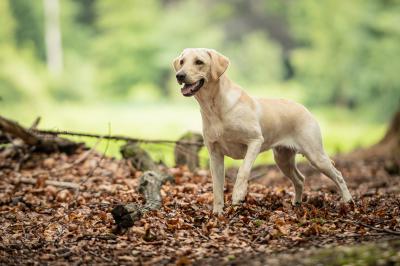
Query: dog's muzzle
pixel 191 89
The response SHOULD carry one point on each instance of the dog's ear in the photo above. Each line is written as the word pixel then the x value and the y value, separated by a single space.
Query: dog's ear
pixel 175 63
pixel 219 63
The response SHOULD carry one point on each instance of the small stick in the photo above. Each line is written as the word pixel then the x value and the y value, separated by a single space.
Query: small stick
pixel 35 123
pixel 385 230
pixel 201 234
pixel 27 180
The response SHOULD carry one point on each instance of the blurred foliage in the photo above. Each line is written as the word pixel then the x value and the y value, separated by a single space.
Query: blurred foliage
pixel 28 30
pixel 335 52
pixel 350 52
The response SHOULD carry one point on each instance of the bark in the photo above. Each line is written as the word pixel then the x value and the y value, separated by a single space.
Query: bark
pixel 186 153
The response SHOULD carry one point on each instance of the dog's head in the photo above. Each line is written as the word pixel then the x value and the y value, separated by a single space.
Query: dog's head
pixel 196 67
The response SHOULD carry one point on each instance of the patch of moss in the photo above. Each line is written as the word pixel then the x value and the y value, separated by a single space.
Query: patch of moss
pixel 386 253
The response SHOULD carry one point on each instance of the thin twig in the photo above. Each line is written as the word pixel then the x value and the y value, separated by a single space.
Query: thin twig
pixel 112 137
pixel 94 236
pixel 359 235
pixel 35 123
pixel 201 234
pixel 385 230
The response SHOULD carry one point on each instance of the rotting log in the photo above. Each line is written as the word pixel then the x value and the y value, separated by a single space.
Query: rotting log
pixel 187 153
pixel 46 143
pixel 150 184
pixel 150 187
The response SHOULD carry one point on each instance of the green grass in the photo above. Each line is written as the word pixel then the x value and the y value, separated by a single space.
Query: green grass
pixel 343 130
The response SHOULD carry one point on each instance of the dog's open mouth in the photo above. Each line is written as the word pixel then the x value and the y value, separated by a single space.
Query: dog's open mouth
pixel 191 89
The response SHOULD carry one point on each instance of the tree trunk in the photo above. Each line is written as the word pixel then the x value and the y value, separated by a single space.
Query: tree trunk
pixel 54 53
pixel 386 150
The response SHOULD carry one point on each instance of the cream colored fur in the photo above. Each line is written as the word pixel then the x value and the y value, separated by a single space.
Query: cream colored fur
pixel 240 126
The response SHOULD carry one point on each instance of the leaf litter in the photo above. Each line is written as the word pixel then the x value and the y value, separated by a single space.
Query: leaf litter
pixel 46 224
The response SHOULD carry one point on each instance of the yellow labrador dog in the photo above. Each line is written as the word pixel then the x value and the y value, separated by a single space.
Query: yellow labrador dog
pixel 240 126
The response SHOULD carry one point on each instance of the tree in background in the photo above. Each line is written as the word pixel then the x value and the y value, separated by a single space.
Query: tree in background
pixel 54 53
pixel 335 52
pixel 28 29
pixel 21 52
pixel 349 53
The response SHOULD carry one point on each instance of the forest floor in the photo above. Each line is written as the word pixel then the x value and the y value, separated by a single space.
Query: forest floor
pixel 44 223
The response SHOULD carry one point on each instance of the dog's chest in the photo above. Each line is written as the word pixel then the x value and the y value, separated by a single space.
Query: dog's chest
pixel 226 135
pixel 213 128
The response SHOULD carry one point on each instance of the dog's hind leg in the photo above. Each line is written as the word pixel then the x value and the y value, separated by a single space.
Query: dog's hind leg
pixel 285 160
pixel 324 164
pixel 313 150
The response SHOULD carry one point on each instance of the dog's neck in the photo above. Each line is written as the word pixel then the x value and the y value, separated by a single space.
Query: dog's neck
pixel 212 93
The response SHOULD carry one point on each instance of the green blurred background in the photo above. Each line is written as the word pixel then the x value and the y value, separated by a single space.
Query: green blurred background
pixel 99 65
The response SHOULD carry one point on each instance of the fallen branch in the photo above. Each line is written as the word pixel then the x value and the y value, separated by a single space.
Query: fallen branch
pixel 94 236
pixel 114 137
pixel 46 143
pixel 32 181
pixel 385 230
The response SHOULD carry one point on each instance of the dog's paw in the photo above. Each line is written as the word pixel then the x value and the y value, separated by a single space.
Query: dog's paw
pixel 347 199
pixel 296 203
pixel 351 203
pixel 238 197
pixel 237 202
pixel 218 209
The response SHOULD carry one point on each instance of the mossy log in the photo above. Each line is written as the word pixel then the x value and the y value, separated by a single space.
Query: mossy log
pixel 149 186
pixel 187 153
pixel 138 157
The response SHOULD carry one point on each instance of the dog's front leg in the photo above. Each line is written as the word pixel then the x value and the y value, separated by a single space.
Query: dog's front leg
pixel 218 176
pixel 240 188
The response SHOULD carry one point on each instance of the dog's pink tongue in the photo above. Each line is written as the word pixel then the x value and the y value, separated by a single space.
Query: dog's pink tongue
pixel 187 88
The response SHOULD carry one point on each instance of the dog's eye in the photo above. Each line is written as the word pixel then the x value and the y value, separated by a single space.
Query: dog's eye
pixel 181 62
pixel 199 62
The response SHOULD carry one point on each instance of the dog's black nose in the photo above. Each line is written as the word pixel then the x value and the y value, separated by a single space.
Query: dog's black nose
pixel 180 76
